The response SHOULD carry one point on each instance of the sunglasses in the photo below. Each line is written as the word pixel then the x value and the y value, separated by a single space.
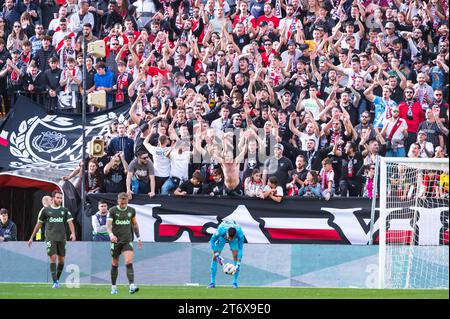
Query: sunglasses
pixel 221 55
pixel 395 111
pixel 438 94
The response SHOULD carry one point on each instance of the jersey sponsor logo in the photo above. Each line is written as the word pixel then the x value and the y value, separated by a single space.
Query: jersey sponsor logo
pixel 122 222
pixel 56 220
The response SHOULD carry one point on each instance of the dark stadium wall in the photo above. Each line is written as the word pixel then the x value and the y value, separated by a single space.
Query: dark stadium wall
pixel 22 197
pixel 23 205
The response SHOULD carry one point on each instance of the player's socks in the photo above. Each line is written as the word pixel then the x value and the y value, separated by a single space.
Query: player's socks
pixel 130 273
pixel 213 271
pixel 53 272
pixel 59 270
pixel 114 273
pixel 236 274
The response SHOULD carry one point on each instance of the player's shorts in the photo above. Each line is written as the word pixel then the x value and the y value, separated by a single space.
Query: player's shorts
pixel 56 248
pixel 220 244
pixel 119 248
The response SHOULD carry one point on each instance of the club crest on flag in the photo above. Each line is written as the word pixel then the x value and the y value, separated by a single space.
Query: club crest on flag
pixel 33 138
pixel 49 142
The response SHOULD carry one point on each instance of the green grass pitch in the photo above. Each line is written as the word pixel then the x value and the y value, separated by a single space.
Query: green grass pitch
pixel 86 291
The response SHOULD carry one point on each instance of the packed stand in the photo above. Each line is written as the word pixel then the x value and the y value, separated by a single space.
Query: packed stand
pixel 240 98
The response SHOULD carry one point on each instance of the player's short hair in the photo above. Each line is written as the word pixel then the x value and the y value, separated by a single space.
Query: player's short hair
pixel 122 195
pixel 231 232
pixel 101 202
pixel 3 211
pixel 56 192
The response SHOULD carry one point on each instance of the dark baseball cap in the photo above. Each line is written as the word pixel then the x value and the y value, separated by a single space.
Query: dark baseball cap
pixel 303 46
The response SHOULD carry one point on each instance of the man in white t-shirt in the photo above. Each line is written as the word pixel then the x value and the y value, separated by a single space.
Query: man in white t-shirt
pixel 58 36
pixel 161 162
pixel 313 104
pixel 353 72
pixel 222 122
pixel 312 131
pixel 82 17
pixel 54 24
pixel 426 148
pixel 180 157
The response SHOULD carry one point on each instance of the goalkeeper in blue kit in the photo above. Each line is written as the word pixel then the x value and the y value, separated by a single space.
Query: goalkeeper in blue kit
pixel 227 232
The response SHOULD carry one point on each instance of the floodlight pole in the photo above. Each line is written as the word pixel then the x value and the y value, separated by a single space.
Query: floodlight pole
pixel 83 136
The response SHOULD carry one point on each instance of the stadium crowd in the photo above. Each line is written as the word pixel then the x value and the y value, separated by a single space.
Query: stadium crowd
pixel 247 97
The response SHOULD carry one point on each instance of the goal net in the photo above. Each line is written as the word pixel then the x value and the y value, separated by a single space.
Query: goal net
pixel 413 223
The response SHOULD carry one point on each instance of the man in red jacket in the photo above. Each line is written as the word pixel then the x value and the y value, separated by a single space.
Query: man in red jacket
pixel 411 110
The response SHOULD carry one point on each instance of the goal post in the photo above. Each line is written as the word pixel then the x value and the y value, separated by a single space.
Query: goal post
pixel 413 223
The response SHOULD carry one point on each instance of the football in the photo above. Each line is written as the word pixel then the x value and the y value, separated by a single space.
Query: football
pixel 229 269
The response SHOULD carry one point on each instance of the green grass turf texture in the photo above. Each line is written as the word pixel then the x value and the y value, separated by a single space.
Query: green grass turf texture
pixel 86 291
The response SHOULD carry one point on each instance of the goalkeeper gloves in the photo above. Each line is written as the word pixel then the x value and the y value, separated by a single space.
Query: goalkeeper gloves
pixel 219 259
